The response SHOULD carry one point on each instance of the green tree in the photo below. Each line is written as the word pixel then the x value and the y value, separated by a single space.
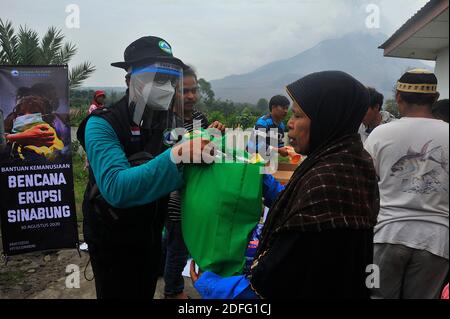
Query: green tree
pixel 206 92
pixel 262 106
pixel 392 107
pixel 246 119
pixel 232 120
pixel 216 116
pixel 227 112
pixel 80 98
pixel 25 48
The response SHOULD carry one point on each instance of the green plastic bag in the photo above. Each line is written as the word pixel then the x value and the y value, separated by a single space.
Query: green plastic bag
pixel 221 205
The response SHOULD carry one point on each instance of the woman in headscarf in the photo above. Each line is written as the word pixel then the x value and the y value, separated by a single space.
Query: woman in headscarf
pixel 98 102
pixel 318 239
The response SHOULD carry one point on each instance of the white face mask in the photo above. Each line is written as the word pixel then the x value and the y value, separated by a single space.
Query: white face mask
pixel 24 122
pixel 159 96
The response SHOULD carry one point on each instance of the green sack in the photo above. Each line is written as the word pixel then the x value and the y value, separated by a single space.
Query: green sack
pixel 221 205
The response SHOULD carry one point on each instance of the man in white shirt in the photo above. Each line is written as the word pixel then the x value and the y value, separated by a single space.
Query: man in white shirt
pixel 411 157
pixel 375 115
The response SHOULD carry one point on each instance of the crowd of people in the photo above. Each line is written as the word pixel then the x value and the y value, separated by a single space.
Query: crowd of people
pixel 372 192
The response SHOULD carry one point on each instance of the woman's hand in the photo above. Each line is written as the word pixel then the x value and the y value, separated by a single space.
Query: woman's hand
pixel 39 135
pixel 283 151
pixel 194 275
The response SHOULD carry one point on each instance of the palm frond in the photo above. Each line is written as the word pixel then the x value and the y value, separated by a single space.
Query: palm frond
pixel 28 49
pixel 50 46
pixel 8 43
pixel 80 73
pixel 65 54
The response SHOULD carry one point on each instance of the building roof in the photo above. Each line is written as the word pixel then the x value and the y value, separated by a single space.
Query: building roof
pixel 423 35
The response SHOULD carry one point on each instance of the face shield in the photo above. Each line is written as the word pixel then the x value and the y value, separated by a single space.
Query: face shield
pixel 153 94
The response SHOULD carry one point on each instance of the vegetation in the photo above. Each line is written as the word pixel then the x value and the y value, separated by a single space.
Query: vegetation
pixel 82 98
pixel 77 115
pixel 25 48
pixel 391 107
pixel 80 177
pixel 233 115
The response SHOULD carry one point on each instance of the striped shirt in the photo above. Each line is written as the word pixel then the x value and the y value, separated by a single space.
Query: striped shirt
pixel 174 205
pixel 267 123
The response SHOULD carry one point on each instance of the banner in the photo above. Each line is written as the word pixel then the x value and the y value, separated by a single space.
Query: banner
pixel 37 203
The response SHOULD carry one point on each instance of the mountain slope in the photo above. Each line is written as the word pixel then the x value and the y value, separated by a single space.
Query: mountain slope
pixel 355 53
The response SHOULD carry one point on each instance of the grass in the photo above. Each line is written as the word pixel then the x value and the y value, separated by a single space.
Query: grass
pixel 77 115
pixel 11 277
pixel 81 177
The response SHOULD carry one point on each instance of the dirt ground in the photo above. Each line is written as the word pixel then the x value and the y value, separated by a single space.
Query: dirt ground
pixel 43 276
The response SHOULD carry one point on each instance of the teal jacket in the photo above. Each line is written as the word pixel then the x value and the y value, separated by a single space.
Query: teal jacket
pixel 121 185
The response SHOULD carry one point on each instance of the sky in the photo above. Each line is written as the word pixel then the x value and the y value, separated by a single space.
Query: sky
pixel 217 37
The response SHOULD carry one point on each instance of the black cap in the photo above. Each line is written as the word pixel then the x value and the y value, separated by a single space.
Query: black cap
pixel 148 49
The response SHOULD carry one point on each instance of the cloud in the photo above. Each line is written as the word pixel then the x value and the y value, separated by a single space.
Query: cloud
pixel 218 37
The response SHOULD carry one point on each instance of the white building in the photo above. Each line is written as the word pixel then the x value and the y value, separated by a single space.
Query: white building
pixel 425 37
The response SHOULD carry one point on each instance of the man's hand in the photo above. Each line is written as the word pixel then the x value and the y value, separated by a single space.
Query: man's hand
pixel 194 275
pixel 197 150
pixel 283 151
pixel 217 125
pixel 38 135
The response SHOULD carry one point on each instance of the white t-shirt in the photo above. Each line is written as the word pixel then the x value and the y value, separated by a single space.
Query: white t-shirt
pixel 386 117
pixel 411 158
